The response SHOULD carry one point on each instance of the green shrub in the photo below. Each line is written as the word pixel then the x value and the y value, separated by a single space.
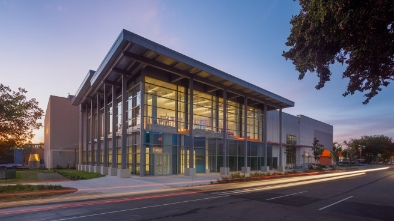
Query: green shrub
pixel 78 175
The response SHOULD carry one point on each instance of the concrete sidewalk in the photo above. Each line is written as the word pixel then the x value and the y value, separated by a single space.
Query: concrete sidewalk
pixel 135 184
pixel 113 184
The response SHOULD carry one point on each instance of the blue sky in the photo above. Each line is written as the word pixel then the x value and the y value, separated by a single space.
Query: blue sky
pixel 47 47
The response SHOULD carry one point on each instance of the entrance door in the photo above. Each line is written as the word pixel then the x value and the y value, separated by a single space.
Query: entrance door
pixel 200 160
pixel 162 164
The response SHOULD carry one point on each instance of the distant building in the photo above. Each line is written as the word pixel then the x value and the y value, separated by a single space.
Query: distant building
pixel 149 110
pixel 60 133
pixel 22 155
pixel 299 132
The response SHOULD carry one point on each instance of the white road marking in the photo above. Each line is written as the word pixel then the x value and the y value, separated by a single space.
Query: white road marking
pixel 145 207
pixel 286 195
pixel 335 203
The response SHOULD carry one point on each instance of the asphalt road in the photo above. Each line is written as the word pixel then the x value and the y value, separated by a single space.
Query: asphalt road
pixel 359 196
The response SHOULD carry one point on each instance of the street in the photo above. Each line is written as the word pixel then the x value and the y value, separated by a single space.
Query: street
pixel 355 196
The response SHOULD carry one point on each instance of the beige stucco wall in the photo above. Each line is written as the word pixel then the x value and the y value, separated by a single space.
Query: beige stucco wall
pixel 60 132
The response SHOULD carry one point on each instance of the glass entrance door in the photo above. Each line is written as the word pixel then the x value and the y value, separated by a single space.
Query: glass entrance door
pixel 200 160
pixel 162 164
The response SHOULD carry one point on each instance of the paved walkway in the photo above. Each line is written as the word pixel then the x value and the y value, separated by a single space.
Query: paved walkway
pixel 113 184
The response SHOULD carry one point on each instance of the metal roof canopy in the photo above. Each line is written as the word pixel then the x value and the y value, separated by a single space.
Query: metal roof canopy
pixel 131 53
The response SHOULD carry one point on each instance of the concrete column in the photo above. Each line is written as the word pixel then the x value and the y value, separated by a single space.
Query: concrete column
pixel 142 126
pixel 281 167
pixel 124 172
pixel 81 144
pixel 104 168
pixel 86 135
pixel 98 155
pixel 224 170
pixel 113 171
pixel 92 133
pixel 245 168
pixel 191 171
pixel 124 122
pixel 265 167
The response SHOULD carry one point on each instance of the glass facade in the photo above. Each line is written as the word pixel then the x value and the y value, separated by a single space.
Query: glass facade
pixel 163 141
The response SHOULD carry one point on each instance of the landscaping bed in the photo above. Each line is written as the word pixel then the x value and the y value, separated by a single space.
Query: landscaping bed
pixel 78 175
pixel 23 192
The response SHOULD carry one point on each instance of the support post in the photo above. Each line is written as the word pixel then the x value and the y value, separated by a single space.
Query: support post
pixel 105 126
pixel 86 136
pixel 92 134
pixel 191 171
pixel 81 144
pixel 123 172
pixel 281 167
pixel 104 168
pixel 142 112
pixel 224 170
pixel 113 170
pixel 245 168
pixel 98 155
pixel 265 167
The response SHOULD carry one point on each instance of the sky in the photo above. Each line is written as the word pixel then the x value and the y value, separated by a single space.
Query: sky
pixel 47 47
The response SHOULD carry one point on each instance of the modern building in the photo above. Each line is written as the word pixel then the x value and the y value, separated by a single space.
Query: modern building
pixel 61 133
pixel 149 110
pixel 297 138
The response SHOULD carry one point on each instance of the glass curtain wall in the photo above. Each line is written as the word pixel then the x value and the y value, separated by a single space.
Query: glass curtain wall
pixel 133 122
pixel 166 130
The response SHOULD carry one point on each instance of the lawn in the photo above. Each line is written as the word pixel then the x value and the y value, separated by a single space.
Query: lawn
pixel 29 176
pixel 26 176
pixel 22 192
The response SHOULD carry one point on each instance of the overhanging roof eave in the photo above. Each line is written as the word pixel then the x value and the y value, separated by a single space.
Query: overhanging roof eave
pixel 129 37
pixel 83 88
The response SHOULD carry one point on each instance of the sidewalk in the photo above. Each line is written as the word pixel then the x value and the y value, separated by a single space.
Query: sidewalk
pixel 113 184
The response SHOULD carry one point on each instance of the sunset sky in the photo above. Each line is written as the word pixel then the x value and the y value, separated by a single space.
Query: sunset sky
pixel 47 47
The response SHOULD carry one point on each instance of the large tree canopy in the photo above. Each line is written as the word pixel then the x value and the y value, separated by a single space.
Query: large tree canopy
pixel 357 33
pixel 373 147
pixel 18 116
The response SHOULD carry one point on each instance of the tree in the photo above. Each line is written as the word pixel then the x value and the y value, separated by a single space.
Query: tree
pixel 350 151
pixel 336 151
pixel 317 149
pixel 6 153
pixel 18 116
pixel 357 33
pixel 371 147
